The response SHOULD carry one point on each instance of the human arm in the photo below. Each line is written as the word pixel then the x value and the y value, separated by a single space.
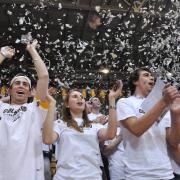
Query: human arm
pixel 102 119
pixel 49 136
pixel 42 73
pixel 112 147
pixel 175 152
pixel 138 126
pixel 110 131
pixel 173 133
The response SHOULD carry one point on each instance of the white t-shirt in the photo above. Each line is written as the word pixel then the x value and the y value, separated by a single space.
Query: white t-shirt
pixel 176 167
pixel 116 165
pixel 78 153
pixel 92 116
pixel 21 155
pixel 146 156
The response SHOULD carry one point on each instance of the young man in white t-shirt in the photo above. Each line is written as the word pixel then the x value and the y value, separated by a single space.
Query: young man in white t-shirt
pixel 144 137
pixel 95 114
pixel 97 117
pixel 176 169
pixel 21 155
pixel 175 161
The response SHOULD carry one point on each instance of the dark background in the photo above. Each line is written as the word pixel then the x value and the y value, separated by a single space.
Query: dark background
pixel 132 34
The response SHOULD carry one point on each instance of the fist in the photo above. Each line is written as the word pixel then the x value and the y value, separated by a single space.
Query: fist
pixel 7 52
pixel 116 90
pixel 175 106
pixel 102 119
pixel 170 93
pixel 32 45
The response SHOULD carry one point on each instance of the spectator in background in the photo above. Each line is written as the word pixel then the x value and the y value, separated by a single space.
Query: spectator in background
pixel 89 107
pixel 95 114
pixel 94 22
pixel 114 151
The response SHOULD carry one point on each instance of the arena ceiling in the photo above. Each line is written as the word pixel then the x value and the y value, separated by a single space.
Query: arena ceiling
pixel 131 34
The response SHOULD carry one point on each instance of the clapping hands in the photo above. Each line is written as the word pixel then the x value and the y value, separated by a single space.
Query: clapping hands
pixel 116 91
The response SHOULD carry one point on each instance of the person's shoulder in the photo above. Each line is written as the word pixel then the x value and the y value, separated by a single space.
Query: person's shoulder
pixel 89 114
pixel 125 99
pixel 36 103
pixel 97 126
pixel 2 104
pixel 60 122
pixel 100 114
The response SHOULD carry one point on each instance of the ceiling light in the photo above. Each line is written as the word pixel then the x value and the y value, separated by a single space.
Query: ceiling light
pixel 105 71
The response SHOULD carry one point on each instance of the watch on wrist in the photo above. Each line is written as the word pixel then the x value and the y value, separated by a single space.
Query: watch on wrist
pixel 112 106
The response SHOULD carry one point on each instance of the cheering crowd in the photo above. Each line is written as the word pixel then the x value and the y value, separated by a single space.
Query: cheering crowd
pixel 138 145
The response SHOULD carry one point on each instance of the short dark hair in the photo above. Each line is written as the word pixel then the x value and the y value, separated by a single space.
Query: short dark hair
pixel 134 76
pixel 91 99
pixel 21 74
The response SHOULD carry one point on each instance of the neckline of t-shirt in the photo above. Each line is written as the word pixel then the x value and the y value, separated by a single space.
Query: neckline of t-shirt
pixel 79 121
pixel 138 96
pixel 78 118
pixel 96 114
pixel 16 105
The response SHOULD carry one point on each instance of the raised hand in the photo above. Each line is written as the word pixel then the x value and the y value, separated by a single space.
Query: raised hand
pixel 102 119
pixel 7 52
pixel 170 93
pixel 31 46
pixel 50 99
pixel 52 91
pixel 175 106
pixel 116 90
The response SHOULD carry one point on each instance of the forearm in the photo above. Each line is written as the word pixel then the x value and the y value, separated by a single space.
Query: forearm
pixel 48 125
pixel 141 125
pixel 174 132
pixel 42 73
pixel 1 58
pixel 112 120
pixel 111 148
pixel 38 63
pixel 110 132
pixel 175 151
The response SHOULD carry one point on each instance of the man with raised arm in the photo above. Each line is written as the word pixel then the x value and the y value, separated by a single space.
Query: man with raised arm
pixel 145 137
pixel 21 155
